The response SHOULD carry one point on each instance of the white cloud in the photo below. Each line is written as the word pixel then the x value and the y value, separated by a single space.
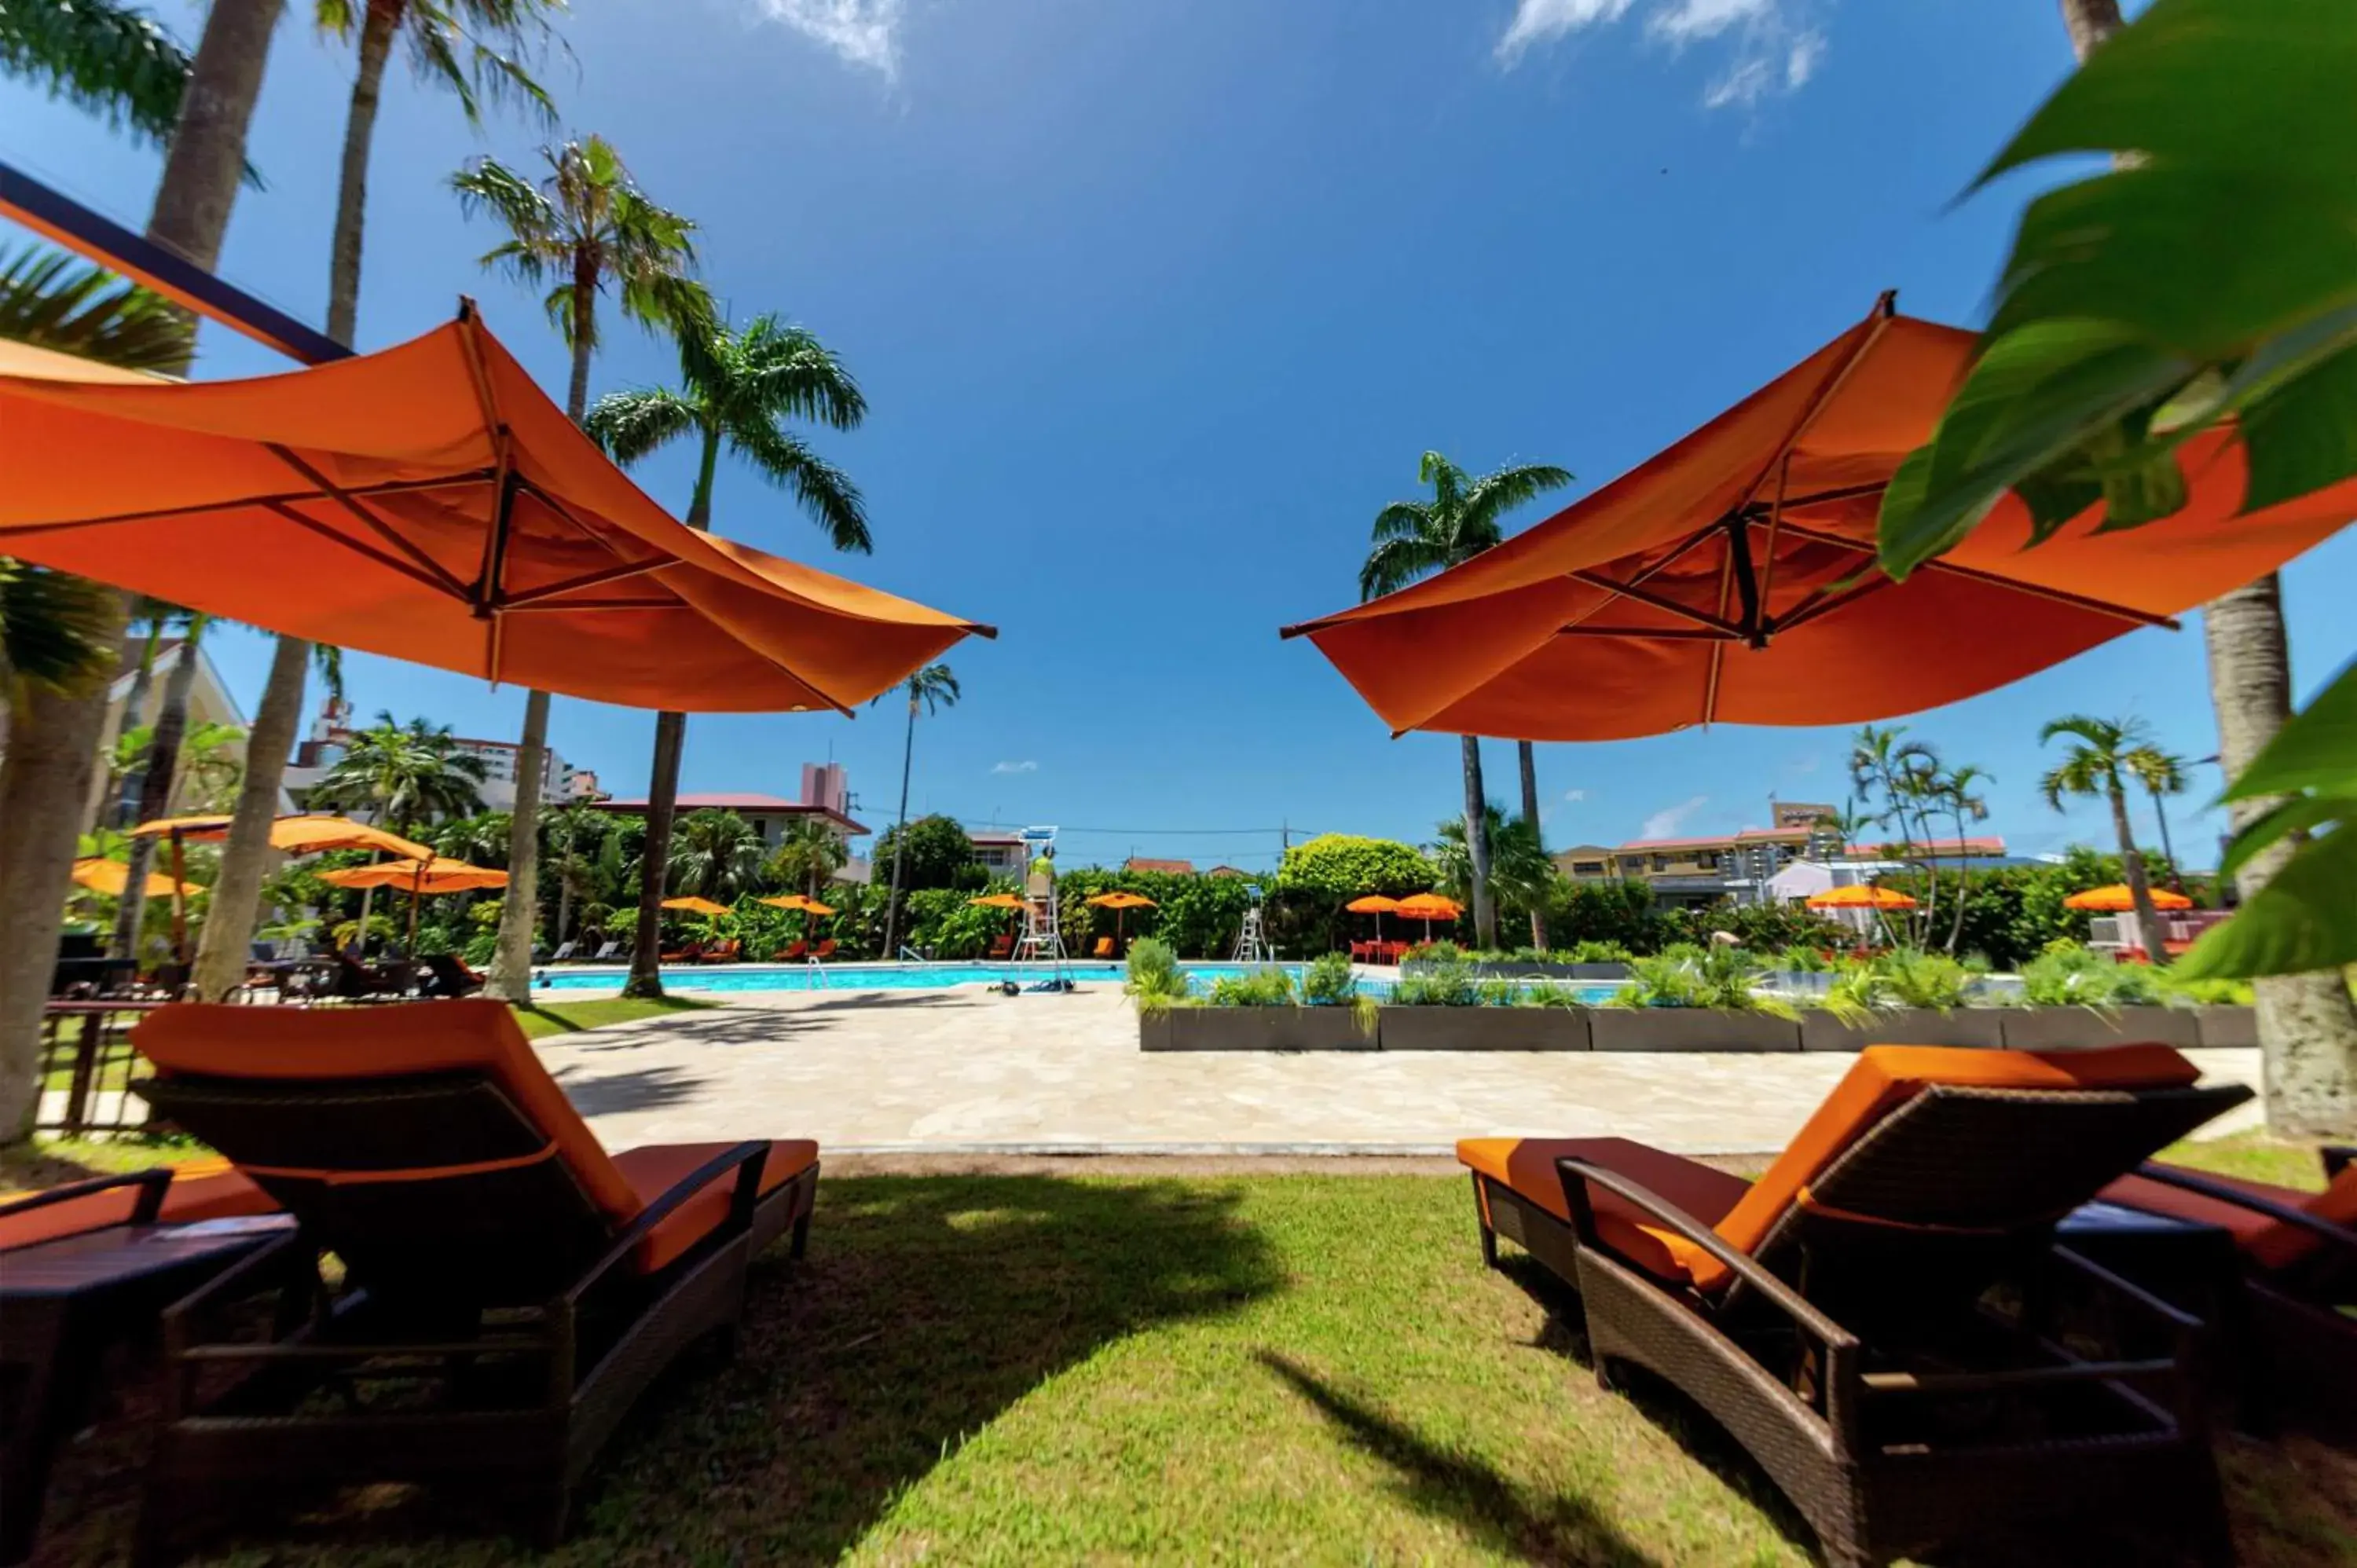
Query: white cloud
pixel 1575 796
pixel 862 32
pixel 1770 46
pixel 1666 823
pixel 1014 768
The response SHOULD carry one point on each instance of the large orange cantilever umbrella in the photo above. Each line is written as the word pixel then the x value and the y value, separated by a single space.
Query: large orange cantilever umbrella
pixel 1732 578
pixel 419 878
pixel 429 502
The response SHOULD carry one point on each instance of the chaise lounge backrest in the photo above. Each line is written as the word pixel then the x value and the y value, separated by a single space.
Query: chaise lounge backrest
pixel 426 1146
pixel 1966 1139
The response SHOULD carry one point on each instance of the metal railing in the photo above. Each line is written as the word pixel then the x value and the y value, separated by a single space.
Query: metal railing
pixel 86 1068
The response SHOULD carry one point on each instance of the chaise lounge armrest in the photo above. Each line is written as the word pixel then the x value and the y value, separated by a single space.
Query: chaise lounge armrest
pixel 152 1183
pixel 2337 1158
pixel 1577 1172
pixel 746 1159
pixel 2281 1213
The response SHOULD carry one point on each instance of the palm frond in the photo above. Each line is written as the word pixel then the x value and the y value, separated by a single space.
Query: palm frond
pixel 50 300
pixel 630 424
pixel 1403 520
pixel 116 61
pixel 1395 563
pixel 1495 495
pixel 825 491
pixel 57 631
pixel 793 375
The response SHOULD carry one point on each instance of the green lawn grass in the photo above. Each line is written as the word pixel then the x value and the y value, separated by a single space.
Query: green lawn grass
pixel 543 1018
pixel 1036 1370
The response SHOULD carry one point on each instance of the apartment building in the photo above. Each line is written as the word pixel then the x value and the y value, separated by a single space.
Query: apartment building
pixel 331 735
pixel 1704 870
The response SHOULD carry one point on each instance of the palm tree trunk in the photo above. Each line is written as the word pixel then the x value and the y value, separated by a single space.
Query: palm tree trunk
pixel 662 803
pixel 510 972
pixel 1964 882
pixel 45 783
pixel 156 786
pixel 900 836
pixel 2167 849
pixel 563 901
pixel 111 807
pixel 2148 927
pixel 2307 1023
pixel 231 908
pixel 1477 844
pixel 1526 756
pixel 378 29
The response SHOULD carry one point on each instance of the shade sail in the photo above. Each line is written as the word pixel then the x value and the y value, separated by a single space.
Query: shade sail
pixel 430 503
pixel 1860 897
pixel 295 835
pixel 420 876
pixel 2118 899
pixel 1732 578
pixel 112 877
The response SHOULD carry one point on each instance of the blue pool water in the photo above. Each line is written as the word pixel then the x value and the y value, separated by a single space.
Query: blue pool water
pixel 914 977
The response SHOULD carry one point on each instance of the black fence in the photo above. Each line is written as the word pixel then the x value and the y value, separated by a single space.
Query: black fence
pixel 86 1065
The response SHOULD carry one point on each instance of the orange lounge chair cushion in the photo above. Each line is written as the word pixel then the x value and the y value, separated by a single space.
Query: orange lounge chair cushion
pixel 2269 1244
pixel 1883 1079
pixel 652 1171
pixel 1527 1166
pixel 201 1189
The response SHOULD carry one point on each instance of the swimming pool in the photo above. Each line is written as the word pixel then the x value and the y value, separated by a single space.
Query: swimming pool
pixel 916 977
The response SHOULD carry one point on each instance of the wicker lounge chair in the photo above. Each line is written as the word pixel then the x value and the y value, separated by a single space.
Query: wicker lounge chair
pixel 447 975
pixel 356 982
pixel 2294 1334
pixel 508 1289
pixel 792 952
pixel 1874 1317
pixel 824 950
pixel 729 951
pixel 687 952
pixel 200 1189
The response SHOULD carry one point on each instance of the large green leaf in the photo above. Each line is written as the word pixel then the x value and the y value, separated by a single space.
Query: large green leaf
pixel 2301 813
pixel 2178 86
pixel 2301 437
pixel 2300 923
pixel 2316 750
pixel 2034 397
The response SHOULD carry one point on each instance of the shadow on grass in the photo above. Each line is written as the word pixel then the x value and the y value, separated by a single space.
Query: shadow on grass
pixel 1461 1489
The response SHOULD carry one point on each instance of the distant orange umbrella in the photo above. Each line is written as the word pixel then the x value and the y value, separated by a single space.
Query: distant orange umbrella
pixel 1860 897
pixel 1121 902
pixel 798 901
pixel 1428 908
pixel 1733 578
pixel 998 901
pixel 298 834
pixel 2117 899
pixel 112 877
pixel 1378 906
pixel 696 906
pixel 417 879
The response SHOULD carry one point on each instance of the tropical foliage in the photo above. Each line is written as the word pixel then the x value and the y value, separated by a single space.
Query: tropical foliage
pixel 808 856
pixel 1340 868
pixel 2105 756
pixel 934 852
pixel 714 855
pixel 115 61
pixel 933 688
pixel 1701 976
pixel 407 775
pixel 55 301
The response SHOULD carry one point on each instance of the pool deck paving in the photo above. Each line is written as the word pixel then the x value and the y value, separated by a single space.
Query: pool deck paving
pixel 972 1072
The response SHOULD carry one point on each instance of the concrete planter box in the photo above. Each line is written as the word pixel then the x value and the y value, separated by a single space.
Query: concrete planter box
pixel 1483 1029
pixel 1981 1027
pixel 2066 1028
pixel 1688 1029
pixel 1254 1030
pixel 2228 1026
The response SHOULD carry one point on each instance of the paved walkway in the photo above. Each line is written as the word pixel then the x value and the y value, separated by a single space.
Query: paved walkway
pixel 925 1070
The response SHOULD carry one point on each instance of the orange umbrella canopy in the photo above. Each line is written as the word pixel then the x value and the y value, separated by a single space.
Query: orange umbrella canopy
pixel 1429 907
pixel 1860 897
pixel 2117 899
pixel 1119 900
pixel 112 877
pixel 296 835
pixel 696 906
pixel 1732 578
pixel 1373 903
pixel 430 503
pixel 798 901
pixel 998 901
pixel 420 876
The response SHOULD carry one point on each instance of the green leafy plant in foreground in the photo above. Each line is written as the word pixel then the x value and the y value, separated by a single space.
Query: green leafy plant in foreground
pixel 1155 982
pixel 2079 977
pixel 1690 975
pixel 1269 987
pixel 1329 982
pixel 1549 994
pixel 1437 976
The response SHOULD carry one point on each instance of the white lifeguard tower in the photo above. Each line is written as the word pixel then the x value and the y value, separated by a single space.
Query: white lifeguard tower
pixel 1042 942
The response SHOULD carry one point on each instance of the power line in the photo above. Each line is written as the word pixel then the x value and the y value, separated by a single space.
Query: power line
pixel 1276 832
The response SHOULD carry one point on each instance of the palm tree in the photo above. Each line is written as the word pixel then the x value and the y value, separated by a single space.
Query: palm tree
pixel 2307 1023
pixel 1520 871
pixel 807 856
pixel 737 391
pixel 52 300
pixel 572 838
pixel 117 63
pixel 585 228
pixel 1414 539
pixel 209 774
pixel 54 733
pixel 1880 759
pixel 404 774
pixel 935 687
pixel 160 771
pixel 1526 760
pixel 2098 766
pixel 1957 795
pixel 714 855
pixel 475 49
pixel 2161 773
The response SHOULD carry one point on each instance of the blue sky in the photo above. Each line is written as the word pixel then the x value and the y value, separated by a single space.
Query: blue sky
pixel 1156 303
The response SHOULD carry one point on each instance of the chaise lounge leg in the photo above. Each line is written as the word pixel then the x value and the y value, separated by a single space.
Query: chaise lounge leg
pixel 800 1245
pixel 1482 1217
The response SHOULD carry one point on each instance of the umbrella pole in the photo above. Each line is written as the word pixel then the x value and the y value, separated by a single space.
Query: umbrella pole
pixel 180 902
pixel 409 949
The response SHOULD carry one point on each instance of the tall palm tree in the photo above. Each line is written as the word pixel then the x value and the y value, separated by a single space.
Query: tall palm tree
pixel 1520 871
pixel 1526 761
pixel 160 771
pixel 571 840
pixel 934 688
pixel 2161 773
pixel 2307 1023
pixel 737 391
pixel 584 228
pixel 807 856
pixel 405 775
pixel 1414 539
pixel 477 49
pixel 1958 793
pixel 2098 766
pixel 714 855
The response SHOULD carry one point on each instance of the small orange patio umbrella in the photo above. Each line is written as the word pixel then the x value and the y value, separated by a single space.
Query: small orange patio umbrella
pixel 1860 897
pixel 696 906
pixel 1121 902
pixel 417 879
pixel 1428 908
pixel 299 834
pixel 2117 899
pixel 112 877
pixel 1373 903
pixel 1733 578
pixel 1008 901
pixel 810 907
